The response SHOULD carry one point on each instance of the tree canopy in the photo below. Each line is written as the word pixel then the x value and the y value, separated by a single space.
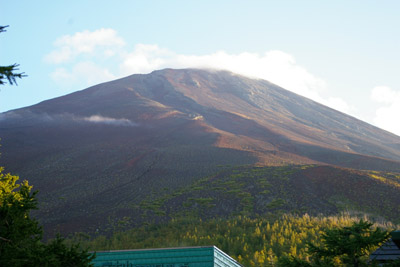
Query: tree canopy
pixel 9 73
pixel 20 235
pixel 344 246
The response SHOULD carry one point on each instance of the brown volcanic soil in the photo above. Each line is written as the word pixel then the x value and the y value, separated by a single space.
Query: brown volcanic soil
pixel 96 152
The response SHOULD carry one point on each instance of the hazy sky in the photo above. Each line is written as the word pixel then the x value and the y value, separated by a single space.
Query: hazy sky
pixel 344 54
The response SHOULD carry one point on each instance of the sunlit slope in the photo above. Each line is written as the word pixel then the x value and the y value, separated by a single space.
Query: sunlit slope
pixel 112 145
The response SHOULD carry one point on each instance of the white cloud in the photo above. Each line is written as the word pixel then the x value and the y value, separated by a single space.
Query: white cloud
pixel 86 71
pixel 388 116
pixel 62 76
pixel 110 121
pixel 105 58
pixel 338 104
pixel 92 72
pixel 384 94
pixel 86 42
pixel 275 66
pixel 60 55
pixel 98 119
pixel 144 59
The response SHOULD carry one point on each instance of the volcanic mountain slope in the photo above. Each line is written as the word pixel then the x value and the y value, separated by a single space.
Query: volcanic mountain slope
pixel 107 147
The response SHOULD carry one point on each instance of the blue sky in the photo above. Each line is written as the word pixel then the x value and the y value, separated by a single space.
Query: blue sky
pixel 344 54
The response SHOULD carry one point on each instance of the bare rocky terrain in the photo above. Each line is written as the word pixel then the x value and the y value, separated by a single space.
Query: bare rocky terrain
pixel 104 153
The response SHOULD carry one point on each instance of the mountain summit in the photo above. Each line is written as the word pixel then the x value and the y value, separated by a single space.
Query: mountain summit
pixel 160 131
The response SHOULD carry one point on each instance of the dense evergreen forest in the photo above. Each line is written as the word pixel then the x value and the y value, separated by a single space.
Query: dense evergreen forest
pixel 252 241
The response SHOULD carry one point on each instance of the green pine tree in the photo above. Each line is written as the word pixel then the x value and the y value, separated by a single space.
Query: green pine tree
pixel 20 235
pixel 9 72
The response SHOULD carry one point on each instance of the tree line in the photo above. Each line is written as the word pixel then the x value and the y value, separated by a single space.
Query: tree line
pixel 290 240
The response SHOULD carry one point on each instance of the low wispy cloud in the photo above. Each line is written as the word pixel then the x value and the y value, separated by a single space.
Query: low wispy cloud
pixel 108 120
pixel 28 116
pixel 34 117
pixel 387 115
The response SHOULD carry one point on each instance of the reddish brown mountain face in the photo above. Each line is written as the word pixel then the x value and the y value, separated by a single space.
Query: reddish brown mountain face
pixel 169 128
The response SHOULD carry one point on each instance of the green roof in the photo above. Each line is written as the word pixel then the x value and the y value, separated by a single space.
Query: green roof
pixel 165 257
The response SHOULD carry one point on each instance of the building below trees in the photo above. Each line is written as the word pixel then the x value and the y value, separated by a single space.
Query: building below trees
pixel 166 257
pixel 389 251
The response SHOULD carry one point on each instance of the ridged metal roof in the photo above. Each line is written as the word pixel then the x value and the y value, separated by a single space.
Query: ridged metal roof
pixel 389 250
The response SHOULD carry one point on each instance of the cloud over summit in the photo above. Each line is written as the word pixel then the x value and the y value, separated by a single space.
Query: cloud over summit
pixel 90 57
pixel 102 55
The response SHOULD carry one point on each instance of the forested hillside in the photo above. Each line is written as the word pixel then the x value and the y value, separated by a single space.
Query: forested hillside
pixel 259 241
pixel 259 191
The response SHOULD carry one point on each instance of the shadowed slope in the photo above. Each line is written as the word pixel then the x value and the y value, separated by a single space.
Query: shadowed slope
pixel 104 149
